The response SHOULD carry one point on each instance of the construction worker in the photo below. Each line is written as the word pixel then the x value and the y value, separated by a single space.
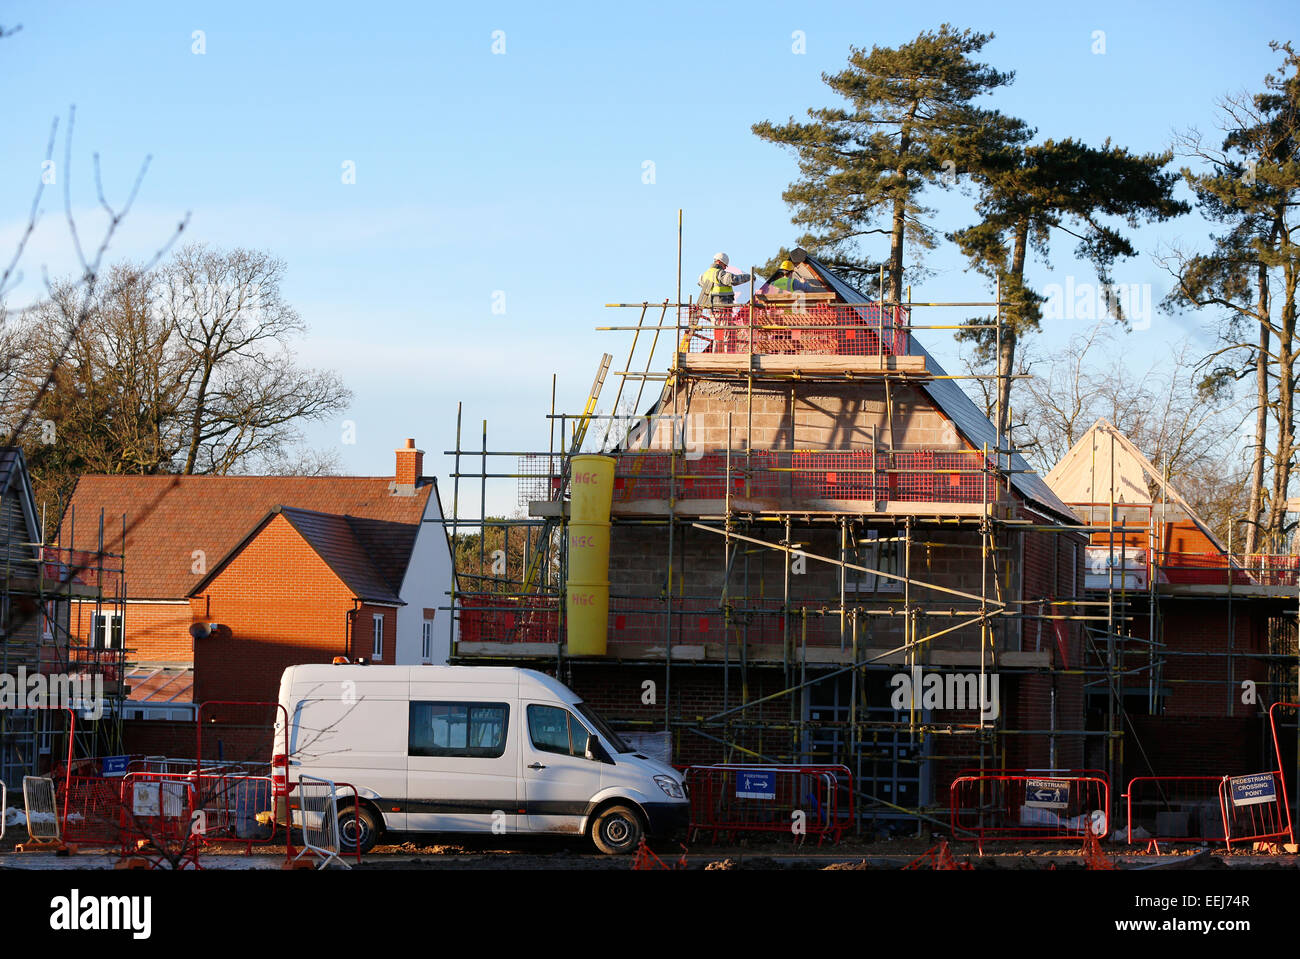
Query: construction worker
pixel 785 281
pixel 717 284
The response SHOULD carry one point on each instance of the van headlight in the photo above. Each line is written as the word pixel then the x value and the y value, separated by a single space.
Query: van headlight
pixel 670 786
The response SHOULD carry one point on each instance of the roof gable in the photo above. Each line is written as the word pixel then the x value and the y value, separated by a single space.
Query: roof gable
pixel 330 537
pixel 952 400
pixel 1083 475
pixel 16 481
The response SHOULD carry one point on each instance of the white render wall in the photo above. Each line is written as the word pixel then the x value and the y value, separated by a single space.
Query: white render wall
pixel 427 585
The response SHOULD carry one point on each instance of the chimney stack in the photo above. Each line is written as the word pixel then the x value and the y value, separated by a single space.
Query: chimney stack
pixel 410 467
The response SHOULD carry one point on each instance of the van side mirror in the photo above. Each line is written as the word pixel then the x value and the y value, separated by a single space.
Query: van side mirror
pixel 595 752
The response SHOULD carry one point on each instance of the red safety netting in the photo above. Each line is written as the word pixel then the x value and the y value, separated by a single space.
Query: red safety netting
pixel 931 476
pixel 826 328
pixel 496 619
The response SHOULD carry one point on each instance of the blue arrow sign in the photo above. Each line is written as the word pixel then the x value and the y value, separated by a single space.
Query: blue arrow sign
pixel 756 784
pixel 114 765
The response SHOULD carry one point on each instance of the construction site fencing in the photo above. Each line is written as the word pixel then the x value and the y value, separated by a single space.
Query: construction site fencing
pixel 1027 807
pixel 158 819
pixel 92 810
pixel 234 808
pixel 41 808
pixel 797 327
pixel 1173 809
pixel 318 818
pixel 796 800
pixel 1249 819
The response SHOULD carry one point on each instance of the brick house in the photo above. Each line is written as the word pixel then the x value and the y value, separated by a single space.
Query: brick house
pixel 819 433
pixel 291 569
pixel 1195 701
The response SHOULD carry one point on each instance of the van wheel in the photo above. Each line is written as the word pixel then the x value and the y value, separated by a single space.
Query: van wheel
pixel 359 829
pixel 617 831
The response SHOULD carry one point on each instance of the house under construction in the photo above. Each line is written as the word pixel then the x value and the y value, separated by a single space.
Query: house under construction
pixel 819 549
pixel 44 669
pixel 1205 634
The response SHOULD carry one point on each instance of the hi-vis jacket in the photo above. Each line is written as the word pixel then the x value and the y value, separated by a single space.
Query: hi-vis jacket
pixel 716 286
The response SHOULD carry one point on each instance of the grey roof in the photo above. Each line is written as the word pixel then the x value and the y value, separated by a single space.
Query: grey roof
pixel 960 408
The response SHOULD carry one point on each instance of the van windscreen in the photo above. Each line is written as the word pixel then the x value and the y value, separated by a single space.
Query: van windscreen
pixel 611 737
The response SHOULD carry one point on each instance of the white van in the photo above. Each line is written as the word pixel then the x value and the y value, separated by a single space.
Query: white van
pixel 461 749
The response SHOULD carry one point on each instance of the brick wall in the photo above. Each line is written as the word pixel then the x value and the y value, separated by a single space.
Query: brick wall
pixel 1210 685
pixel 155 632
pixel 279 605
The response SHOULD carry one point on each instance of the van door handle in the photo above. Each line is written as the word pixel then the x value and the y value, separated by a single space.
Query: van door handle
pixel 537 765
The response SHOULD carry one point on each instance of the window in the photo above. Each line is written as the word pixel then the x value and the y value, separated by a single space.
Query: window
pixel 555 730
pixel 883 556
pixel 426 640
pixel 378 651
pixel 106 631
pixel 47 621
pixel 474 730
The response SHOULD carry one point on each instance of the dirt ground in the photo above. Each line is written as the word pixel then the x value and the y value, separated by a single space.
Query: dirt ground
pixel 547 853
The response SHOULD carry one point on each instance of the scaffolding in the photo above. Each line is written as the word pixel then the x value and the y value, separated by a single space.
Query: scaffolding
pixel 802 677
pixel 39 586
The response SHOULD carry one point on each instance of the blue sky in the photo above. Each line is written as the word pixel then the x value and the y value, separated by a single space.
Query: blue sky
pixel 523 171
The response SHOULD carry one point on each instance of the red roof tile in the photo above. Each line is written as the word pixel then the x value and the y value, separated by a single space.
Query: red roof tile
pixel 168 518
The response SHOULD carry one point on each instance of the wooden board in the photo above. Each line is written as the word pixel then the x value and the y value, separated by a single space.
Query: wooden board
pixel 804 363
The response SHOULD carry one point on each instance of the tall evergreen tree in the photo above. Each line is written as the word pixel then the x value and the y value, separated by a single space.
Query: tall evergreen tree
pixel 1026 193
pixel 1250 275
pixel 865 167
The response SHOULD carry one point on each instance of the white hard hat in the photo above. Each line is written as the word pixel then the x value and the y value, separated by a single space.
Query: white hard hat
pixel 721 258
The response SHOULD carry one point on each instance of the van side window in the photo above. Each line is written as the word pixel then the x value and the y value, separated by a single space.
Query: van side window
pixel 554 730
pixel 476 730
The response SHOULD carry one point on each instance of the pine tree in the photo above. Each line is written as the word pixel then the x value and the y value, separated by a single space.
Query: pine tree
pixel 1026 193
pixel 1250 276
pixel 865 167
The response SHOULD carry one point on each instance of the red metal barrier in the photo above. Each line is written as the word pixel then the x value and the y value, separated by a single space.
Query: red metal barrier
pixel 1029 807
pixel 157 815
pixel 92 810
pixel 1281 766
pixel 803 800
pixel 1172 809
pixel 1256 821
pixel 235 809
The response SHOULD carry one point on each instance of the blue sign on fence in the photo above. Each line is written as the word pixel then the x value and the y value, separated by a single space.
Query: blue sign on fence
pixel 1253 789
pixel 760 784
pixel 114 765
